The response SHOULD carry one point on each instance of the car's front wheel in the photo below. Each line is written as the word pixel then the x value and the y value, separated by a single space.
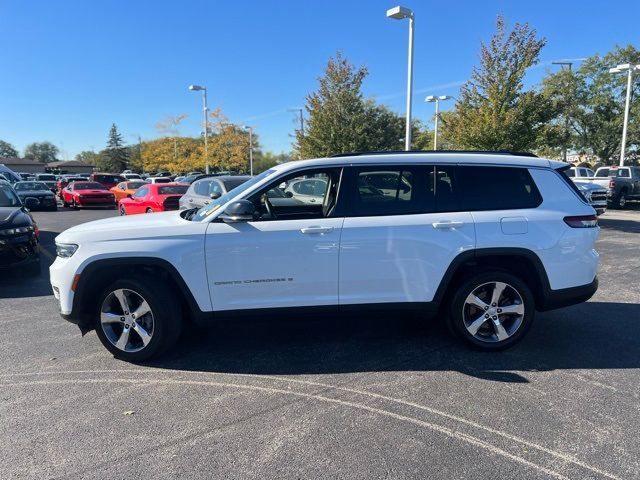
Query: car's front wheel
pixel 492 310
pixel 138 318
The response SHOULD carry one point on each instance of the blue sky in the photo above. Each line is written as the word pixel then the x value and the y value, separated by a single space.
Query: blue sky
pixel 71 68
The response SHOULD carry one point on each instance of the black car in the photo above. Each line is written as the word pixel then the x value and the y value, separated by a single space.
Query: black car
pixel 38 190
pixel 48 179
pixel 19 248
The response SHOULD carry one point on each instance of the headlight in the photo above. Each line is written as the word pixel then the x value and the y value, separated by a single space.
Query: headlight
pixel 65 250
pixel 16 231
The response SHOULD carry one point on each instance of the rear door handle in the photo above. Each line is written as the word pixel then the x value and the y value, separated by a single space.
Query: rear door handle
pixel 445 225
pixel 310 230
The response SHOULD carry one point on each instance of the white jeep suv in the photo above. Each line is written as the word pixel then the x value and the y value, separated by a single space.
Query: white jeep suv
pixel 487 238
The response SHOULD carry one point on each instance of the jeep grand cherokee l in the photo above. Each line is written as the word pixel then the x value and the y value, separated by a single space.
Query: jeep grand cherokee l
pixel 484 239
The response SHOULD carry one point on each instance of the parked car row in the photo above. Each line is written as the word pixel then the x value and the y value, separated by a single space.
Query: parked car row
pixel 620 184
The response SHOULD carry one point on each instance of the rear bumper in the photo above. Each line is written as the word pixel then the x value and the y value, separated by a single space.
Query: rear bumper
pixel 568 296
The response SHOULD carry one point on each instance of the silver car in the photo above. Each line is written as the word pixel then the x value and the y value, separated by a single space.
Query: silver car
pixel 202 191
pixel 594 194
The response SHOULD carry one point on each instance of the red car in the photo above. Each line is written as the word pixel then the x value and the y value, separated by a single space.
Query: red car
pixel 87 194
pixel 154 197
pixel 109 180
pixel 64 181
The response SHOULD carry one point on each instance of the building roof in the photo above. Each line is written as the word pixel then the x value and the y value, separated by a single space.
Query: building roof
pixel 20 161
pixel 68 163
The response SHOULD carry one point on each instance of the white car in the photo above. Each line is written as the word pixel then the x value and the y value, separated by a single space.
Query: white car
pixel 486 240
pixel 307 190
pixel 158 180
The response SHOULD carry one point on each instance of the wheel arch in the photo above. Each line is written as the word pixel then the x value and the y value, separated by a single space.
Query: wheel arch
pixel 518 261
pixel 98 274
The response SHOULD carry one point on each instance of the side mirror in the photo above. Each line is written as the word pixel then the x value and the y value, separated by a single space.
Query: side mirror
pixel 239 211
pixel 215 195
pixel 129 195
pixel 289 194
pixel 31 202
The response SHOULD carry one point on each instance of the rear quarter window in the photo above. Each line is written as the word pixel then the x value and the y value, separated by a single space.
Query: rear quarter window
pixel 478 188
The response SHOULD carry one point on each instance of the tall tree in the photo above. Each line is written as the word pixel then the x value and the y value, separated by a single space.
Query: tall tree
pixel 595 104
pixel 116 156
pixel 494 111
pixel 7 150
pixel 44 152
pixel 341 120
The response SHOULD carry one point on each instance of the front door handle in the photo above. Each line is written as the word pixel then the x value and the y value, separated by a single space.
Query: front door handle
pixel 310 230
pixel 445 225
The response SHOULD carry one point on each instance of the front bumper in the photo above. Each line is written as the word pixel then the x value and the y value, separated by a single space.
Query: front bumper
pixel 19 251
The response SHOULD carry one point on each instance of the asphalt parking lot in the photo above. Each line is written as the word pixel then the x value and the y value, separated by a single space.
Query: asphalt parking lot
pixel 352 397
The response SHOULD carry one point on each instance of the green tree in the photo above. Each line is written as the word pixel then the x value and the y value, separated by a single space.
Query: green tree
pixel 594 104
pixel 116 156
pixel 265 160
pixel 494 111
pixel 7 150
pixel 89 157
pixel 341 120
pixel 43 152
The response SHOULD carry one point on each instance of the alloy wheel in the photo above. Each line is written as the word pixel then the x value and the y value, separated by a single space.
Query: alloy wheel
pixel 493 312
pixel 127 320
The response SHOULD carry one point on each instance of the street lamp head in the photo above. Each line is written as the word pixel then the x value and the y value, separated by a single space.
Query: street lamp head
pixel 614 70
pixel 196 88
pixel 399 13
pixel 431 98
pixel 445 97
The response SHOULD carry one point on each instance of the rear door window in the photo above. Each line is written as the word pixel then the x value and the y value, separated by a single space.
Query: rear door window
pixel 396 190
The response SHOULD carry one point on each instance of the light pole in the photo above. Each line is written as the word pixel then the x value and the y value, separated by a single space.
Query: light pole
pixel 298 110
pixel 437 100
pixel 400 13
pixel 629 68
pixel 566 113
pixel 205 112
pixel 250 129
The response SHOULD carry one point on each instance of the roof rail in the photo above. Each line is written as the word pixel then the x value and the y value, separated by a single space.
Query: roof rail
pixel 405 152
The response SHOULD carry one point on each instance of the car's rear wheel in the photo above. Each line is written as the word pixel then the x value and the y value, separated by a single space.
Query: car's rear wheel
pixel 492 310
pixel 148 210
pixel 621 200
pixel 138 319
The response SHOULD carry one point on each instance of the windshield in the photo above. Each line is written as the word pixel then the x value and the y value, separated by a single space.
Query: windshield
pixel 8 198
pixel 46 178
pixel 207 210
pixel 24 186
pixel 108 178
pixel 135 185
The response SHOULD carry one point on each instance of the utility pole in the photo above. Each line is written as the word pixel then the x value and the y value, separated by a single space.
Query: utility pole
pixel 566 113
pixel 299 111
pixel 250 129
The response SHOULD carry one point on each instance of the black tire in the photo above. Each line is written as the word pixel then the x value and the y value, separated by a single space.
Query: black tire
pixel 484 339
pixel 167 317
pixel 65 204
pixel 74 205
pixel 123 212
pixel 148 210
pixel 621 200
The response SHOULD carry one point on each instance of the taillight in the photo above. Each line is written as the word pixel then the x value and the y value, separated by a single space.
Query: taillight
pixel 612 184
pixel 582 221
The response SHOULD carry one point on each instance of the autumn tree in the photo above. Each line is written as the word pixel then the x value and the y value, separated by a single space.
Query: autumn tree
pixel 341 120
pixel 7 150
pixel 44 152
pixel 494 111
pixel 159 154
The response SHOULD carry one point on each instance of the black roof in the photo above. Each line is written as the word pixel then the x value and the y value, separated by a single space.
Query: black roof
pixel 405 152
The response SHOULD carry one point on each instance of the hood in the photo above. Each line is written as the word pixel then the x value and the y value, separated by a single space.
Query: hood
pixel 589 187
pixel 123 228
pixel 93 192
pixel 13 216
